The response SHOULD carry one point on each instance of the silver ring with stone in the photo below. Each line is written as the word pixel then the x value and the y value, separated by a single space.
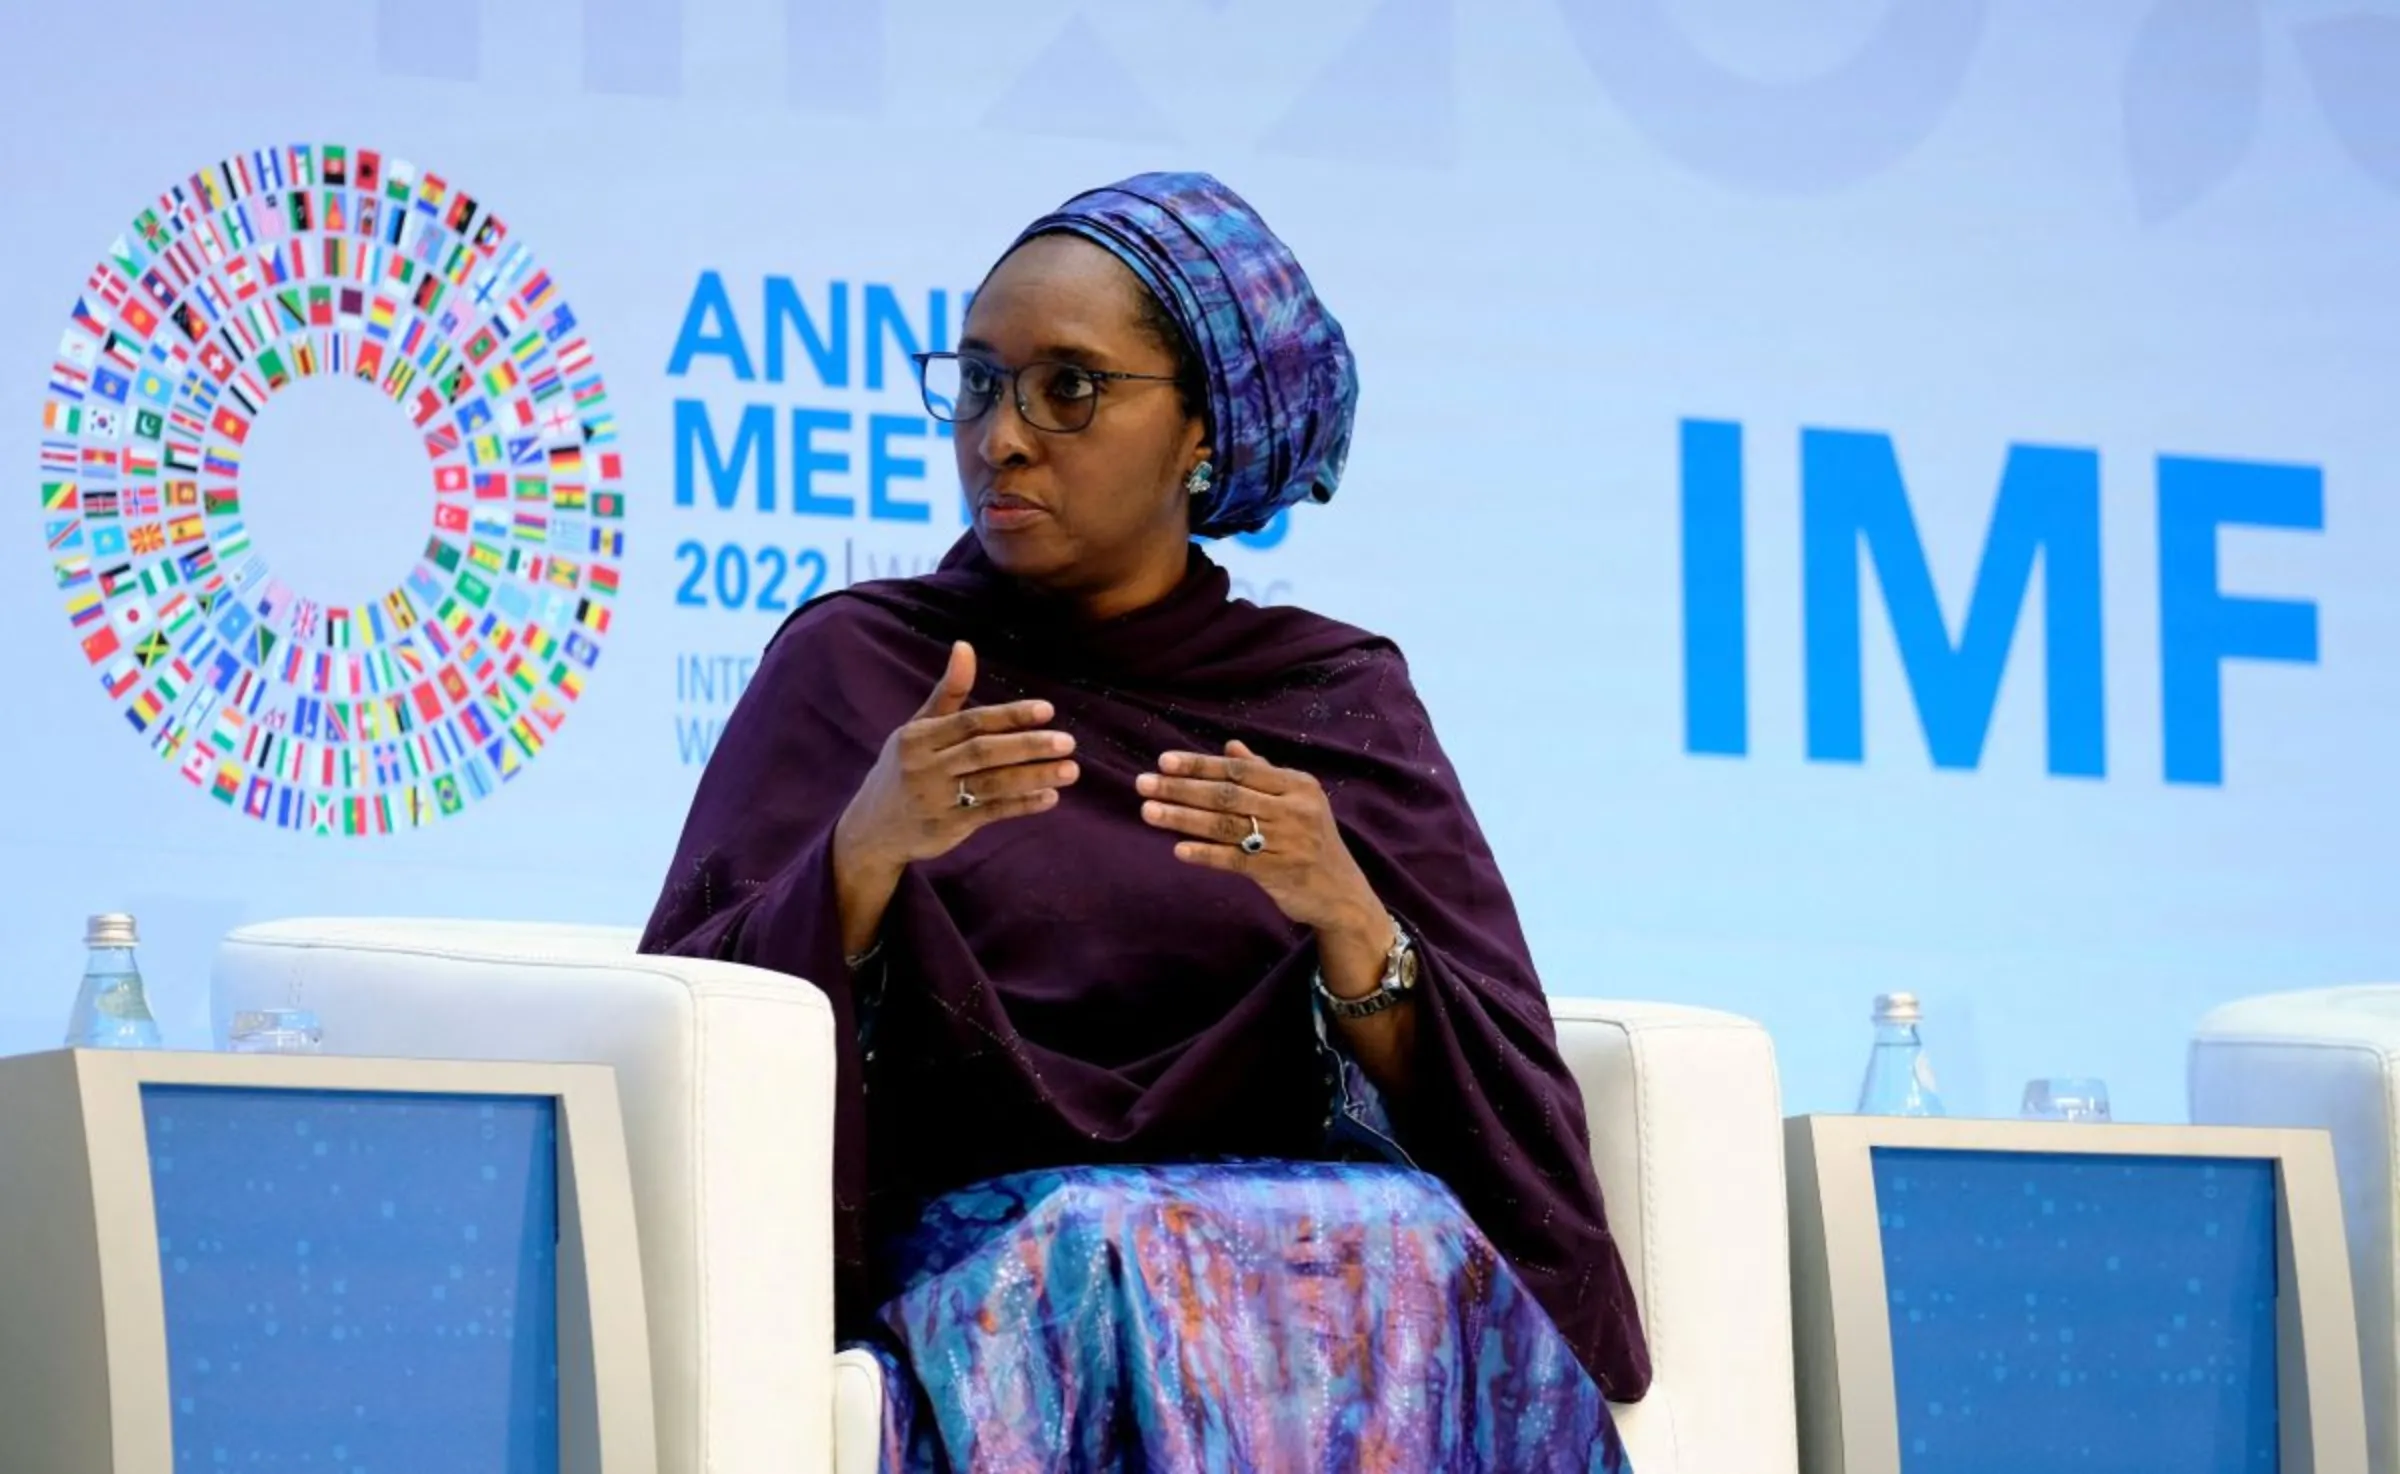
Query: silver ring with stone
pixel 1254 842
pixel 967 800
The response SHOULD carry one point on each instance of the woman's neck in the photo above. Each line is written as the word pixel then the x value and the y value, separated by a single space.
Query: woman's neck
pixel 1158 575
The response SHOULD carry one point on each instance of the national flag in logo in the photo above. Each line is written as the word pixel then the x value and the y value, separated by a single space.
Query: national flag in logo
pixel 235 621
pixel 608 504
pixel 153 386
pixel 114 581
pixel 230 425
pixel 449 517
pixel 159 577
pixel 101 644
pixel 108 284
pixel 121 676
pixel 442 555
pixel 604 581
pixel 108 541
pixel 121 351
pixel 221 461
pixel 149 424
pixel 592 616
pixel 186 529
pixel 111 385
pixel 608 542
pixel 80 345
pixel 221 501
pixel 64 533
pixel 59 496
pixel 61 417
pixel 531 526
pixel 100 502
pixel 145 710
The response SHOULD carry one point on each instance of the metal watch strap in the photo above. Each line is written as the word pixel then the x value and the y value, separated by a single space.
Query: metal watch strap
pixel 1391 990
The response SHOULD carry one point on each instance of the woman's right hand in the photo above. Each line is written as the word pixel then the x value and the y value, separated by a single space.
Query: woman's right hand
pixel 909 808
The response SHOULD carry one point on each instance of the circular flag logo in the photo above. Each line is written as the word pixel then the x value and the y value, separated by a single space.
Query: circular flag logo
pixel 403 704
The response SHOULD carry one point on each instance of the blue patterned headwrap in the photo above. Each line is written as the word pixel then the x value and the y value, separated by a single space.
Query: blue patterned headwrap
pixel 1282 387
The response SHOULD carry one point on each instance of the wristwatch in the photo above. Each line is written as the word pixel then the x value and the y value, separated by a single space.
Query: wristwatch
pixel 1399 980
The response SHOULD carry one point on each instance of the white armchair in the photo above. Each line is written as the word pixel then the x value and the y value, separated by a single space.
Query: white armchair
pixel 725 1073
pixel 2327 1057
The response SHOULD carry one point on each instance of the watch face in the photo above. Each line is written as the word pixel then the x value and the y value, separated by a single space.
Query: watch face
pixel 1404 974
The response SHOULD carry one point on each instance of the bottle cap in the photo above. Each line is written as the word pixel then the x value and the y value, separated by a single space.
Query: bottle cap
pixel 109 929
pixel 1896 1008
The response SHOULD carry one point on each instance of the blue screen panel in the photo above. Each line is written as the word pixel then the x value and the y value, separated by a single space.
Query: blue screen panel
pixel 2062 1312
pixel 358 1281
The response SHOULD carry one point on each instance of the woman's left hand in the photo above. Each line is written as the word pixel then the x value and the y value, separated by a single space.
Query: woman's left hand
pixel 1303 865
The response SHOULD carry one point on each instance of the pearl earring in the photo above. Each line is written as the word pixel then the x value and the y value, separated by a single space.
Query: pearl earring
pixel 1201 478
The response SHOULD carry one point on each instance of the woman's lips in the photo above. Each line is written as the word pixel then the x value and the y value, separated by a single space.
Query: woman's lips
pixel 1009 513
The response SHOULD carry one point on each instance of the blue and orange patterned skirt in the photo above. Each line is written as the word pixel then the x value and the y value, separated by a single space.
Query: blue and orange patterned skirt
pixel 1270 1315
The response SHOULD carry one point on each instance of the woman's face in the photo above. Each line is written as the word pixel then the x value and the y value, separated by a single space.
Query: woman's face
pixel 1100 514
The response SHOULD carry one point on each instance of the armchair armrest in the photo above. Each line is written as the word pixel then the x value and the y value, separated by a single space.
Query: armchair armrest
pixel 725 1073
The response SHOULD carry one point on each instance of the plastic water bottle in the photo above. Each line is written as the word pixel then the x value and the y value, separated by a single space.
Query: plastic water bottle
pixel 111 1011
pixel 1899 1079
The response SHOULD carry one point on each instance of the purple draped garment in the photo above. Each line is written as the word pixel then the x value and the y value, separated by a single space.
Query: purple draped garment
pixel 1060 990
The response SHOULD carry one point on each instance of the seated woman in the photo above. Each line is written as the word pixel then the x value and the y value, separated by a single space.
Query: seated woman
pixel 1198 1106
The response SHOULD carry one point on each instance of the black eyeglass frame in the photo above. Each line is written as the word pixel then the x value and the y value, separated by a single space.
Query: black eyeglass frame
pixel 1016 388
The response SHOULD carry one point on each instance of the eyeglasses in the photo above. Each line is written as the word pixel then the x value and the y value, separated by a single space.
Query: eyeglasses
pixel 1058 397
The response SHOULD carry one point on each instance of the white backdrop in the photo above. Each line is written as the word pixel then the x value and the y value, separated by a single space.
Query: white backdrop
pixel 1565 237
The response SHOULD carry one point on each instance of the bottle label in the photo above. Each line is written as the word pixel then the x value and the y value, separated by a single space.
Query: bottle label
pixel 122 1001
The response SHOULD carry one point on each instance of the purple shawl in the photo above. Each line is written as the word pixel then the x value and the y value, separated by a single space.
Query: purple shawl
pixel 1060 990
